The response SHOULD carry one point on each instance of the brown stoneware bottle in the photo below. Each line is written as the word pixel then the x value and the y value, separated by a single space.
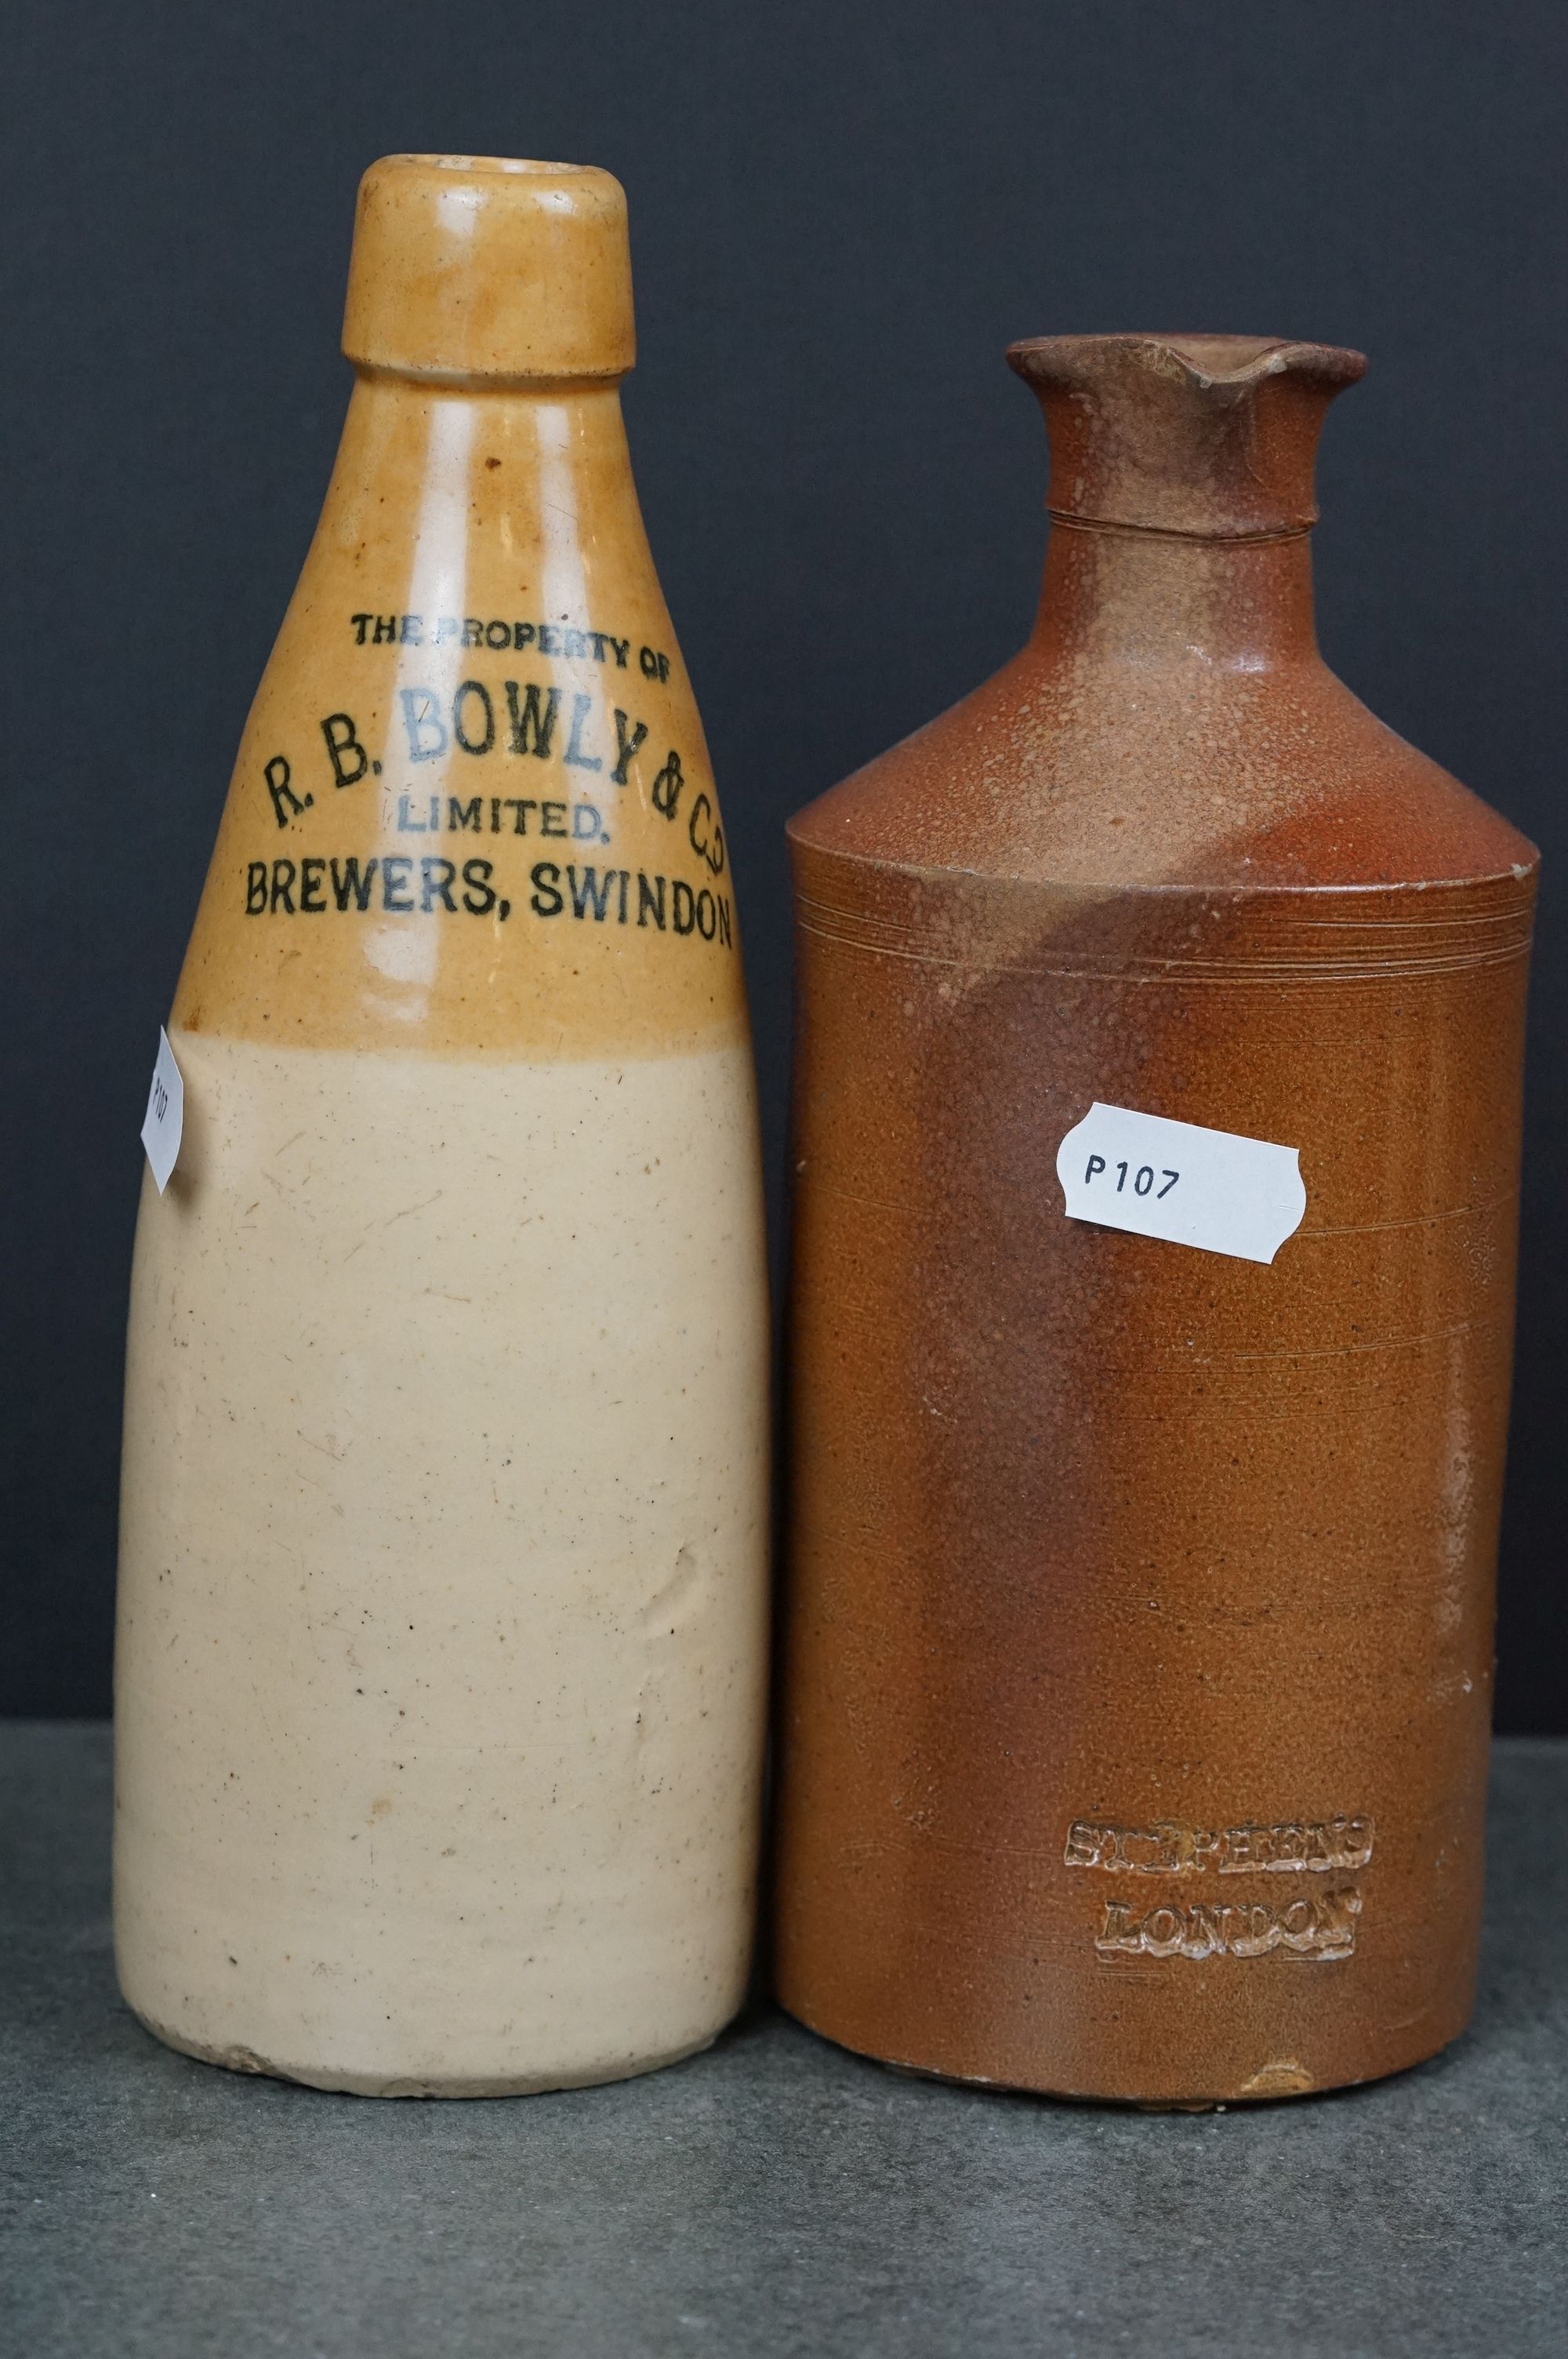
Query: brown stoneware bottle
pixel 1156 1156
pixel 441 1669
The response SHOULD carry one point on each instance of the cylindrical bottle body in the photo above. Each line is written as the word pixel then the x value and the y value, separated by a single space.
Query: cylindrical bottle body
pixel 1139 1598
pixel 442 1658
pixel 440 1671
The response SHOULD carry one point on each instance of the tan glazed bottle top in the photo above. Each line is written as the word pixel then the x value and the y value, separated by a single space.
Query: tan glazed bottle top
pixel 483 266
pixel 1208 436
pixel 474 810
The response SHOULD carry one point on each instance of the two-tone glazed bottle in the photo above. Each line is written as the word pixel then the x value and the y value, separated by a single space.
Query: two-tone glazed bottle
pixel 442 1607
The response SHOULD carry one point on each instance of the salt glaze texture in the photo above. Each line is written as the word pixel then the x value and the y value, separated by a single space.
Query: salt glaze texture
pixel 1139 1626
pixel 440 1666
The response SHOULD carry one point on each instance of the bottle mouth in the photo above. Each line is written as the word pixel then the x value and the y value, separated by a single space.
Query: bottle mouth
pixel 1218 356
pixel 504 165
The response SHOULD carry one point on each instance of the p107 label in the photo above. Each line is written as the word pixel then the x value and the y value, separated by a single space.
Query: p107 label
pixel 1210 1189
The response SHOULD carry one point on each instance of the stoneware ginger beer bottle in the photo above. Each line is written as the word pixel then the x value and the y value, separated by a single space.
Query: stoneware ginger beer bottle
pixel 1156 1156
pixel 440 1667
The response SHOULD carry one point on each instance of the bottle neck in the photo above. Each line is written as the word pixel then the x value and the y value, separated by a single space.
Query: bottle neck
pixel 485 430
pixel 512 483
pixel 1162 602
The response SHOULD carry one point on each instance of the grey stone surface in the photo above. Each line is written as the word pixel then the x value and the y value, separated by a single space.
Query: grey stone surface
pixel 773 2197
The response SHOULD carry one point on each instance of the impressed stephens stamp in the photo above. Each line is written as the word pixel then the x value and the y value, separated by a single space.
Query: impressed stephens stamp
pixel 1316 1922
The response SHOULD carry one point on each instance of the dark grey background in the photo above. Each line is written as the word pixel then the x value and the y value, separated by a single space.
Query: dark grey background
pixel 841 214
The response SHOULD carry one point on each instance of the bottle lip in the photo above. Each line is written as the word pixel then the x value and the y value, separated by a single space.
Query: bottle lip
pixel 490 269
pixel 505 164
pixel 538 383
pixel 1204 360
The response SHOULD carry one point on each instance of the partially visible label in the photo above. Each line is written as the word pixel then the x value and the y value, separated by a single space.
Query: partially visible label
pixel 1211 1189
pixel 166 1114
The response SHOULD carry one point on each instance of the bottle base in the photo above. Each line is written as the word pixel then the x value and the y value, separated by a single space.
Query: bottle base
pixel 344 2083
pixel 1275 2080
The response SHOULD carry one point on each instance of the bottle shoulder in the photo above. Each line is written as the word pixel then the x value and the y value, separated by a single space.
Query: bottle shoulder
pixel 473 810
pixel 1186 776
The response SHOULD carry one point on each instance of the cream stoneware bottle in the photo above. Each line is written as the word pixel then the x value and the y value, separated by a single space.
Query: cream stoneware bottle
pixel 440 1667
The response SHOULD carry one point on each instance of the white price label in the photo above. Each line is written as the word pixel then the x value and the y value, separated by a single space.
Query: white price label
pixel 1211 1189
pixel 166 1114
